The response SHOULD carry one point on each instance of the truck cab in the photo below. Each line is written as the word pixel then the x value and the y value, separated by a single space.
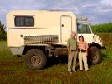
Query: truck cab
pixel 94 41
pixel 84 29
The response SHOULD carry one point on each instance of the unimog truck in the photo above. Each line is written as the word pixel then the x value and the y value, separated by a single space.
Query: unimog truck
pixel 40 34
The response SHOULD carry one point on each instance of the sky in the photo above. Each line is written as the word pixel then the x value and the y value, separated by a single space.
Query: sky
pixel 97 11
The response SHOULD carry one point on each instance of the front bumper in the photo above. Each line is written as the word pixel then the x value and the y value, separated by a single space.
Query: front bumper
pixel 103 47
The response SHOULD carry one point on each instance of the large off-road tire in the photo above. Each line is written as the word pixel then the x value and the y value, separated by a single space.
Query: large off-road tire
pixel 95 55
pixel 35 59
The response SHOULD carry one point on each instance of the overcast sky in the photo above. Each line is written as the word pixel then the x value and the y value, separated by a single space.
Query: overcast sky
pixel 97 11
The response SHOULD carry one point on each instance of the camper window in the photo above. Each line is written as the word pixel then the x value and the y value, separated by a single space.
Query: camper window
pixel 24 21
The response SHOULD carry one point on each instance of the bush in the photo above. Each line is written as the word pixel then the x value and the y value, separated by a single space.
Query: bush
pixel 106 37
pixel 102 28
pixel 2 32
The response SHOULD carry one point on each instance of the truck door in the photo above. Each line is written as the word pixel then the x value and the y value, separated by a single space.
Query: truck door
pixel 66 28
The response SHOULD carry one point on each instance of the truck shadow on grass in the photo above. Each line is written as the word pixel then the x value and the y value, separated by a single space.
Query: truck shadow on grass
pixel 56 60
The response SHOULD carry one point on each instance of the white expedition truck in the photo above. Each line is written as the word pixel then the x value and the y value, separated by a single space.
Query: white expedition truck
pixel 40 34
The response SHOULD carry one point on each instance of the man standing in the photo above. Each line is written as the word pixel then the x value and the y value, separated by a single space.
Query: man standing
pixel 72 52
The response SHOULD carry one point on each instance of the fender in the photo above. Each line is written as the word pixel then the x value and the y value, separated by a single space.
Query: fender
pixel 95 45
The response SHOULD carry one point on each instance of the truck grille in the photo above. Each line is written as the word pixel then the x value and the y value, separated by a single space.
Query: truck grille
pixel 43 39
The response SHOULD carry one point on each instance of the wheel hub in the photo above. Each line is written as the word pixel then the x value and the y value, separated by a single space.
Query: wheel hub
pixel 94 58
pixel 35 60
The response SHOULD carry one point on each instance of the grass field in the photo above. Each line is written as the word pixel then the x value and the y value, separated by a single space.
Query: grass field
pixel 14 71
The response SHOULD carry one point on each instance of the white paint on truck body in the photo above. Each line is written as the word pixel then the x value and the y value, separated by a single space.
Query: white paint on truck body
pixel 59 23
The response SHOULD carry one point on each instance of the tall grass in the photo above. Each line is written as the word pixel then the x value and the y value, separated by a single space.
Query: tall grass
pixel 14 71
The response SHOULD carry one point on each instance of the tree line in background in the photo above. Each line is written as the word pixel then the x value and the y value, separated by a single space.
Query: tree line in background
pixel 102 28
pixel 97 28
pixel 2 32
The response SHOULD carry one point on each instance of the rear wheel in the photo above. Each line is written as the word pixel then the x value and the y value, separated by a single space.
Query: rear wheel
pixel 35 59
pixel 95 56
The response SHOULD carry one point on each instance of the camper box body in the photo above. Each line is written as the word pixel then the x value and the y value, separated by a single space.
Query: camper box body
pixel 38 28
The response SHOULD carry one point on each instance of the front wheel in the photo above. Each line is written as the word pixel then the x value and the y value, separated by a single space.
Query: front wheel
pixel 95 55
pixel 35 59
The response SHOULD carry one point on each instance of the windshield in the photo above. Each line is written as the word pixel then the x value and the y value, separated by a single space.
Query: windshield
pixel 83 28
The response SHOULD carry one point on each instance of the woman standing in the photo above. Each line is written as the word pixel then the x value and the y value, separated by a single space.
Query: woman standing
pixel 83 46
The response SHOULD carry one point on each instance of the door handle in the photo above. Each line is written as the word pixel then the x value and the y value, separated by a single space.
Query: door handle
pixel 62 25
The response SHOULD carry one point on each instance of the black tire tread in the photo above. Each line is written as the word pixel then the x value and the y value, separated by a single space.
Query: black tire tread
pixel 98 60
pixel 42 56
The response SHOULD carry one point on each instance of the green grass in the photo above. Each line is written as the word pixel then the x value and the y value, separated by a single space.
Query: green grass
pixel 14 71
